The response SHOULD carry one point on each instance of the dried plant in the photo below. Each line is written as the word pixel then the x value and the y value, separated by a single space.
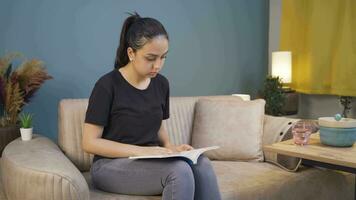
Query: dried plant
pixel 18 86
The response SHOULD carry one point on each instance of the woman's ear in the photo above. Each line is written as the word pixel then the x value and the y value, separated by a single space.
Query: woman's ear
pixel 130 54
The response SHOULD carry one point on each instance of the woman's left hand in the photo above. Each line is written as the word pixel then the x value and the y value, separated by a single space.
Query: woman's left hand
pixel 179 148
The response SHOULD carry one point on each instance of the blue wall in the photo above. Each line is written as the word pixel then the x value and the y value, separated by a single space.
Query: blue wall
pixel 216 46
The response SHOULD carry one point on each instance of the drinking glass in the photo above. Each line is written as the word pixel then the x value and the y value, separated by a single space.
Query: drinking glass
pixel 301 132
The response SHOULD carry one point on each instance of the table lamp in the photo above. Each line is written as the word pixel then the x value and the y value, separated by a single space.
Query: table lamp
pixel 282 67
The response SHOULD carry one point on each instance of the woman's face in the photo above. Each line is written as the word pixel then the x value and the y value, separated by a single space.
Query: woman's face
pixel 149 60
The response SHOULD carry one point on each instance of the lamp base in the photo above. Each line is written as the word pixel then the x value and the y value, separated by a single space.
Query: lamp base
pixel 287 89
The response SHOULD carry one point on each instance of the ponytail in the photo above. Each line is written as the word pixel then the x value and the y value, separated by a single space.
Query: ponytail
pixel 121 53
pixel 136 32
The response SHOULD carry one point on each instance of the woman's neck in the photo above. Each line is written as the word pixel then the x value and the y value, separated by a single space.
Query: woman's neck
pixel 132 76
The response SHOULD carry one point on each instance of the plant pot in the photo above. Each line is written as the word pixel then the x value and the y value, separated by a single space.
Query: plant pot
pixel 26 134
pixel 8 134
pixel 291 103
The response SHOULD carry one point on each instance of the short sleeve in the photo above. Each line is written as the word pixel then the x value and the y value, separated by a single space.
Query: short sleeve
pixel 166 104
pixel 99 106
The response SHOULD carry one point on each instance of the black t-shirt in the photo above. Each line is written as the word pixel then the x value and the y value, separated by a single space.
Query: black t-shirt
pixel 128 114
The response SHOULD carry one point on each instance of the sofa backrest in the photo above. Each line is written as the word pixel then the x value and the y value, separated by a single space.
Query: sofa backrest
pixel 71 115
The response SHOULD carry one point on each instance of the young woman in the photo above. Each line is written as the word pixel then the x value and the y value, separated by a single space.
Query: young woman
pixel 124 118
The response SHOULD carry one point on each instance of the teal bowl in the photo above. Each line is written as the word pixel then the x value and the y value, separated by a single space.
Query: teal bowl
pixel 338 137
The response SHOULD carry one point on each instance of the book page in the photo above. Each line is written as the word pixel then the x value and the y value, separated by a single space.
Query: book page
pixel 192 155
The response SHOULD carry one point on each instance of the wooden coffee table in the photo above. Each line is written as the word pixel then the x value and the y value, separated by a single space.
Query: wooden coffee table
pixel 317 154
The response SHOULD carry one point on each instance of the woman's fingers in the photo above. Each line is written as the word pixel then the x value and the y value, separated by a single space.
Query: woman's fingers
pixel 188 147
pixel 173 149
pixel 163 150
pixel 185 147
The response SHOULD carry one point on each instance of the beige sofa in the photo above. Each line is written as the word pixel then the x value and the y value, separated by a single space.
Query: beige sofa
pixel 39 169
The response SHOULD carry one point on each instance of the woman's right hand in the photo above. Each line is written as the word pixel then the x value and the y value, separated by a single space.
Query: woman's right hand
pixel 155 150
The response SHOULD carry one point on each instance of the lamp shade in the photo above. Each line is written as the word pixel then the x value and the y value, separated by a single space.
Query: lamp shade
pixel 282 65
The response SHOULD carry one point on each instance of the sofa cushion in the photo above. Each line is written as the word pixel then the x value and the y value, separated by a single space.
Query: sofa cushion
pixel 234 125
pixel 251 181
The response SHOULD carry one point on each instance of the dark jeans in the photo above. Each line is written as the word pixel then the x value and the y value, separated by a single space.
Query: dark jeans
pixel 174 178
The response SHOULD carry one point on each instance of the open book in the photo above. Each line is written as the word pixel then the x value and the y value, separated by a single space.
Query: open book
pixel 192 155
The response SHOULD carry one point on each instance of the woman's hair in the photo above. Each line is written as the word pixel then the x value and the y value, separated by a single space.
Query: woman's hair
pixel 136 32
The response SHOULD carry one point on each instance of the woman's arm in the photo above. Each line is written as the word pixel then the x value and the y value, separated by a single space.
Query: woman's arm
pixel 164 139
pixel 163 136
pixel 94 144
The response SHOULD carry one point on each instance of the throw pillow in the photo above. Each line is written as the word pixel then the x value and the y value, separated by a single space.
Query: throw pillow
pixel 234 125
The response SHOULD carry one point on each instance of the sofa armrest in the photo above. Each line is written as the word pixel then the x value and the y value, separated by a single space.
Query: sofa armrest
pixel 275 128
pixel 37 169
pixel 278 129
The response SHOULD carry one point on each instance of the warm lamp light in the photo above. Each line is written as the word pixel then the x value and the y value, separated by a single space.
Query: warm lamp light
pixel 282 65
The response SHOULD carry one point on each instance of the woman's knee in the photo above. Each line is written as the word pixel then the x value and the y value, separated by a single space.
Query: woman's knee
pixel 204 168
pixel 204 160
pixel 181 171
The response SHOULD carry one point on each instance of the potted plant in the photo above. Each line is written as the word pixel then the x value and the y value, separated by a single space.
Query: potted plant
pixel 26 126
pixel 345 101
pixel 274 96
pixel 17 87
